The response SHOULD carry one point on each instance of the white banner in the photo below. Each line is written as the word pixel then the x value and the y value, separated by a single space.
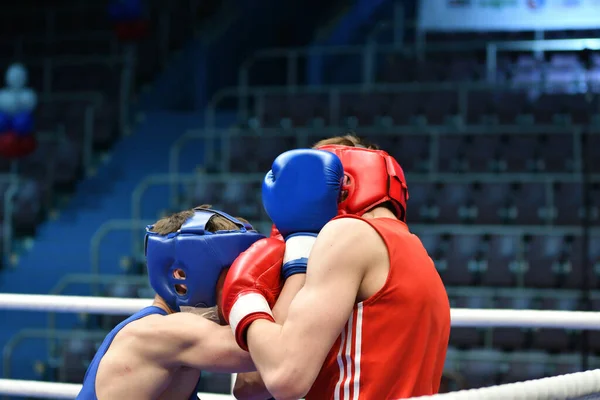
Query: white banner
pixel 508 15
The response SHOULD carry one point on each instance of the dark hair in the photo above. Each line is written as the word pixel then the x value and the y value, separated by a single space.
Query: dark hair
pixel 173 222
pixel 349 139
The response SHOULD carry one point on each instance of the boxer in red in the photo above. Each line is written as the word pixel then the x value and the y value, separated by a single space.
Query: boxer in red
pixel 372 321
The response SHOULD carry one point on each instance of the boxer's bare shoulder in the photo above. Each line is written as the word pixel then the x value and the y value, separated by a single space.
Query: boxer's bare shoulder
pixel 130 369
pixel 145 354
pixel 357 236
pixel 185 340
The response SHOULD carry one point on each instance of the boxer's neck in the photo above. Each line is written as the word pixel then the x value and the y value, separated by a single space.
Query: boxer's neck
pixel 162 304
pixel 379 212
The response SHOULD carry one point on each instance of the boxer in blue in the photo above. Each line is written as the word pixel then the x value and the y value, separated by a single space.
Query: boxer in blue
pixel 158 352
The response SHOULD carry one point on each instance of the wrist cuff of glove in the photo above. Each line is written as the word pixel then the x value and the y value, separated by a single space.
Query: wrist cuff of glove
pixel 247 309
pixel 241 333
pixel 298 246
pixel 294 267
pixel 297 251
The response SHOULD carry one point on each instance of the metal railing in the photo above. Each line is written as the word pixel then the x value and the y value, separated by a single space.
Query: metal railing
pixel 95 100
pixel 9 195
pixel 168 180
pixel 49 63
pixel 93 280
pixel 136 226
pixel 457 229
pixel 334 95
pixel 371 52
pixel 495 292
pixel 27 334
pixel 225 151
pixel 545 178
pixel 15 181
pixel 302 135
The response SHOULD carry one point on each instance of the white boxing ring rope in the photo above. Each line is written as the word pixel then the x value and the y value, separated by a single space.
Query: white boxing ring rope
pixel 461 317
pixel 582 383
pixel 557 387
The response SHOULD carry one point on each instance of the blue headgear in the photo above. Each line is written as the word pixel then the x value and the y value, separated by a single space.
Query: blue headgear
pixel 200 254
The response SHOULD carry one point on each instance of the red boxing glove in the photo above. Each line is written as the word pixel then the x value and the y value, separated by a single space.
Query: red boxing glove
pixel 252 285
pixel 276 234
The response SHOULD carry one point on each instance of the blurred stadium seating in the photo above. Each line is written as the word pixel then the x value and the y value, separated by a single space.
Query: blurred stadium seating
pixel 503 164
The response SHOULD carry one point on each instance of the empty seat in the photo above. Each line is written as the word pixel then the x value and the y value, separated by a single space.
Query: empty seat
pixel 452 359
pixel 437 247
pixel 466 259
pixel 455 203
pixel 572 108
pixel 452 154
pixel 68 163
pixel 392 143
pixel 469 337
pixel 428 71
pixel 519 152
pixel 527 365
pixel 545 261
pixel 530 201
pixel 404 106
pixel 492 201
pixel 417 205
pixel 483 367
pixel 412 152
pixel 242 198
pixel 308 107
pixel 509 104
pixel 438 105
pixel 512 338
pixel 556 340
pixel 566 364
pixel 76 356
pixel 571 266
pixel 274 108
pixel 568 203
pixel 593 214
pixel 505 260
pixel 466 337
pixel 594 335
pixel 480 106
pixel 270 147
pixel 556 151
pixel 203 192
pixel 362 106
pixel 593 258
pixel 28 206
pixel 483 153
pixel 240 148
pixel 105 125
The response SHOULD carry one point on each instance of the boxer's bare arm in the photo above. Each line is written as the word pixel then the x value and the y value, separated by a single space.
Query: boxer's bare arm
pixel 289 356
pixel 249 385
pixel 188 340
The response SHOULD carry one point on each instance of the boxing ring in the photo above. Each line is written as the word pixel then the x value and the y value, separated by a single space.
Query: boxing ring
pixel 562 387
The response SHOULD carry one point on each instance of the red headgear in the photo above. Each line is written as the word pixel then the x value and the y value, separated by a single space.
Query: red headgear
pixel 374 178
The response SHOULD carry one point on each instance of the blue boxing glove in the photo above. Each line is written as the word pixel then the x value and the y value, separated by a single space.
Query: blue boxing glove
pixel 300 195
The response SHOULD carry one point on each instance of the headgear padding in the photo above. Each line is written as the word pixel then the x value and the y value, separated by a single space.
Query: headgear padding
pixel 374 178
pixel 200 254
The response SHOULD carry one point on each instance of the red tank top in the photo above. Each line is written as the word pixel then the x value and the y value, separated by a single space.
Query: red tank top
pixel 394 343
